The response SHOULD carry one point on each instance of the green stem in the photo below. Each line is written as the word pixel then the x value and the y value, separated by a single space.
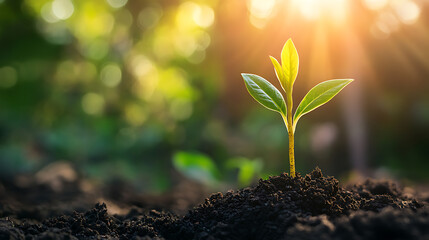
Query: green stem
pixel 289 124
pixel 291 153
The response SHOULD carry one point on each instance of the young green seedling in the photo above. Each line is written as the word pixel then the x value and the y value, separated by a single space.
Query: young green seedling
pixel 270 97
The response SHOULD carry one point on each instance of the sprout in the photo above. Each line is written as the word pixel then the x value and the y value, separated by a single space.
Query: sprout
pixel 270 97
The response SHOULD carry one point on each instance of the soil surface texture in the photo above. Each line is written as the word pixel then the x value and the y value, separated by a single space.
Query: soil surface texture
pixel 306 207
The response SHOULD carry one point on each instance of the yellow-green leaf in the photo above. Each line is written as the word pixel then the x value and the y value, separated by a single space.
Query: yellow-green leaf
pixel 264 92
pixel 319 95
pixel 290 63
pixel 279 73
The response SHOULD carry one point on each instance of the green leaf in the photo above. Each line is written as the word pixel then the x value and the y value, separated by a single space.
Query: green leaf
pixel 290 63
pixel 279 73
pixel 319 95
pixel 264 92
pixel 248 169
pixel 196 166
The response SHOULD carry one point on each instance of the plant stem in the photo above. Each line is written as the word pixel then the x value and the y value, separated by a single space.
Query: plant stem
pixel 289 125
pixel 291 153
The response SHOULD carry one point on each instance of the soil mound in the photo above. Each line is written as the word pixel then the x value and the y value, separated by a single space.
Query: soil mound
pixel 389 223
pixel 274 205
pixel 309 207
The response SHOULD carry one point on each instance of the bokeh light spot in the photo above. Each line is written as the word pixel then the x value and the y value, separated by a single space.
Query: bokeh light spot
pixel 380 30
pixel 93 103
pixel 181 109
pixel 191 14
pixel 390 21
pixel 146 74
pixel 92 21
pixel 124 17
pixel 62 9
pixel 66 72
pixel 163 46
pixel 204 40
pixel 8 77
pixel 141 65
pixel 184 15
pixel 111 75
pixel 56 33
pixel 261 8
pixel 135 115
pixel 88 71
pixel 174 84
pixel 149 17
pixel 70 72
pixel 260 12
pixel 336 10
pixel 47 13
pixel 117 3
pixel 185 45
pixel 257 22
pixel 197 57
pixel 407 11
pixel 203 16
pixel 96 49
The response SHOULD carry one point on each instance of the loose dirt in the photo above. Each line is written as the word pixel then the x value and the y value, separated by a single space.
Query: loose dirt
pixel 306 207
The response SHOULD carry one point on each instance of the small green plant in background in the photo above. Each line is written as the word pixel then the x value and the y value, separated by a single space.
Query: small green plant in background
pixel 248 169
pixel 270 97
pixel 203 169
pixel 197 166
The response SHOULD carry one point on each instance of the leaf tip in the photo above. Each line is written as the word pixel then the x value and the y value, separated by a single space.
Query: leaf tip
pixel 349 80
pixel 289 42
pixel 244 75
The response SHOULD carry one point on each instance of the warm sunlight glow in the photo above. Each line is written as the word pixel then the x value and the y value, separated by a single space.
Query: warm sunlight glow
pixel 407 11
pixel 191 14
pixel 203 16
pixel 335 10
pixel 261 8
pixel 260 11
pixel 375 4
pixel 391 15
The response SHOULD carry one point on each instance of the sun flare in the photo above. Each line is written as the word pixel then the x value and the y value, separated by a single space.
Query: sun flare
pixel 335 10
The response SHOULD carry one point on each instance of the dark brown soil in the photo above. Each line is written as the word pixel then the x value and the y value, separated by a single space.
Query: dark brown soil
pixel 310 207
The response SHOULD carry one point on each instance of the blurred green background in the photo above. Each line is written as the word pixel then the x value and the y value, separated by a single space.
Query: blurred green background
pixel 117 87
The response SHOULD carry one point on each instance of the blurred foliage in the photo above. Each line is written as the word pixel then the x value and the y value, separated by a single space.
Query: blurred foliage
pixel 95 82
pixel 198 167
pixel 117 87
pixel 201 168
pixel 248 170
